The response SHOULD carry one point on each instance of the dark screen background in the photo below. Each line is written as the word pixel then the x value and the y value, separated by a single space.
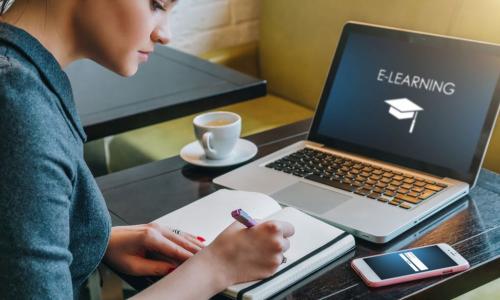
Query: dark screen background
pixel 392 265
pixel 446 133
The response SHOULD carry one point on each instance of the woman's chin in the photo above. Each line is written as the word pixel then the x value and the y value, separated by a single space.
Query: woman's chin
pixel 125 69
pixel 128 70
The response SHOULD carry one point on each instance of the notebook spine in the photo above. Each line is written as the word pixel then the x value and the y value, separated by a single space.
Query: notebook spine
pixel 305 270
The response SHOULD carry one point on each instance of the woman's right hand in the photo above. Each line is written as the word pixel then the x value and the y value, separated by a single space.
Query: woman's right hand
pixel 238 254
pixel 246 254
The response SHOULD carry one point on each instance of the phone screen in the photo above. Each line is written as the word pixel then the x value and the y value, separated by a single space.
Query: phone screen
pixel 409 261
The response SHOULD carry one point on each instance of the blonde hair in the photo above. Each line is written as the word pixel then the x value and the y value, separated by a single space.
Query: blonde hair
pixel 4 5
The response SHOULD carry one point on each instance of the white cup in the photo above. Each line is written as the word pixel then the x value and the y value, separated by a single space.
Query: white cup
pixel 218 132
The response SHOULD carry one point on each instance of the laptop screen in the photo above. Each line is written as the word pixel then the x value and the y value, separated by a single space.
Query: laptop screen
pixel 421 101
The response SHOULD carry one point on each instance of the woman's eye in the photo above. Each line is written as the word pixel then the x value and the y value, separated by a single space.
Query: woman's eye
pixel 156 5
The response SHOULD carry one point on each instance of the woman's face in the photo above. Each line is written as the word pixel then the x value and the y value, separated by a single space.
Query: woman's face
pixel 119 34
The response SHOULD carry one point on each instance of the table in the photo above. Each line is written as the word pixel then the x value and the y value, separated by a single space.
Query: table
pixel 172 84
pixel 471 226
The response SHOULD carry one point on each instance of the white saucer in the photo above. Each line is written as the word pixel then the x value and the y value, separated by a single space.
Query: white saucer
pixel 194 154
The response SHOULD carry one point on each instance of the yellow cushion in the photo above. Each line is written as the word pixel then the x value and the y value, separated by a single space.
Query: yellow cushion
pixel 243 58
pixel 166 139
pixel 492 159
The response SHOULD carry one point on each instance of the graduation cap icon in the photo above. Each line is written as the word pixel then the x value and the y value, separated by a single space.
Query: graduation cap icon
pixel 403 109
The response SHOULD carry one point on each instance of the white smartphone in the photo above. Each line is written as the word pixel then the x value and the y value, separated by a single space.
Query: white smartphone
pixel 410 264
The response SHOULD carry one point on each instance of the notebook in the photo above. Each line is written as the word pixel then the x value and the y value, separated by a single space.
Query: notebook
pixel 314 244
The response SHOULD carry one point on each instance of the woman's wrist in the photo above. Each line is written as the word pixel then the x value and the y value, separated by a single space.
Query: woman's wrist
pixel 205 270
pixel 210 261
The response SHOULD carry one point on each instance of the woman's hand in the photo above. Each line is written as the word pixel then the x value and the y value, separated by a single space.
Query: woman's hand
pixel 150 249
pixel 238 254
pixel 246 254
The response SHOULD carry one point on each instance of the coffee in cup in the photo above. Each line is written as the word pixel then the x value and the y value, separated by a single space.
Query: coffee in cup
pixel 220 122
pixel 218 132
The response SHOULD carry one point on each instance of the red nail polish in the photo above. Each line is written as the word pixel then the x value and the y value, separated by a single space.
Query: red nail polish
pixel 201 239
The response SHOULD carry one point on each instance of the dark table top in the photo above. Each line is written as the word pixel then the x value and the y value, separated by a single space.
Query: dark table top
pixel 471 226
pixel 171 84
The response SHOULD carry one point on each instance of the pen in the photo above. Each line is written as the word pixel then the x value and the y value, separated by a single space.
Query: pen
pixel 241 216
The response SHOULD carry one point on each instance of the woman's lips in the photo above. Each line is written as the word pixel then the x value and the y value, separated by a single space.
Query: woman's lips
pixel 144 55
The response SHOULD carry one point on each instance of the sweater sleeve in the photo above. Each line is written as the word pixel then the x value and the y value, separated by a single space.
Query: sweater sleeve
pixel 36 183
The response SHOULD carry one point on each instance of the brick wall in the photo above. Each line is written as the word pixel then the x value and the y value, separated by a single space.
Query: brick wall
pixel 202 25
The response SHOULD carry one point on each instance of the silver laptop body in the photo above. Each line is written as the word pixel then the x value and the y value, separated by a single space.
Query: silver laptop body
pixel 357 208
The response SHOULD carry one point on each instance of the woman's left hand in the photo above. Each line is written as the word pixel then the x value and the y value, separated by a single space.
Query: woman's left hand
pixel 148 250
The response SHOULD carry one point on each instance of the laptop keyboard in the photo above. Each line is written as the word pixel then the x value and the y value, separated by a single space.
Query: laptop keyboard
pixel 384 185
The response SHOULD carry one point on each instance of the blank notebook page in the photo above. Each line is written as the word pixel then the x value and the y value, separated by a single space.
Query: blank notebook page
pixel 210 215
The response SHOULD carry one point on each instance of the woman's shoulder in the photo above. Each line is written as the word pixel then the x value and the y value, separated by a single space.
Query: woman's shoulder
pixel 28 109
pixel 17 73
pixel 22 88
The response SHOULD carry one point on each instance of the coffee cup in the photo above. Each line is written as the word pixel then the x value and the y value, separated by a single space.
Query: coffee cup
pixel 218 132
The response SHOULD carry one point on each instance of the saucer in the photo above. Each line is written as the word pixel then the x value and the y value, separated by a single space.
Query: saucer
pixel 194 154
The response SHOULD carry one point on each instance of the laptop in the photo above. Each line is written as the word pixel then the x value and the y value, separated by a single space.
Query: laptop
pixel 399 133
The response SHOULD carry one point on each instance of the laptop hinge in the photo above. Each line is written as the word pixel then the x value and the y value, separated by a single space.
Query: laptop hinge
pixel 314 144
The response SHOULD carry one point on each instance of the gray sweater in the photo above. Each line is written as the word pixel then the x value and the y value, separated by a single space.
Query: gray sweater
pixel 53 219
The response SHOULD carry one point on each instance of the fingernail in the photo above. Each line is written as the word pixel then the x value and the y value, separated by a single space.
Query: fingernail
pixel 199 238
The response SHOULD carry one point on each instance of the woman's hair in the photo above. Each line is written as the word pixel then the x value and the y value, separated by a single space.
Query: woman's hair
pixel 4 5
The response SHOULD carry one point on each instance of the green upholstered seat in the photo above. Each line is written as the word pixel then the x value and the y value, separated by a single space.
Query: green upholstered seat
pixel 490 290
pixel 166 139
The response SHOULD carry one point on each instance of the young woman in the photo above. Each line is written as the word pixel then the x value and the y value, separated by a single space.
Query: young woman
pixel 55 225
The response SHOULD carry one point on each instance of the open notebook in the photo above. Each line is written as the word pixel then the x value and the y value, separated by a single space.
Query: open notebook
pixel 313 245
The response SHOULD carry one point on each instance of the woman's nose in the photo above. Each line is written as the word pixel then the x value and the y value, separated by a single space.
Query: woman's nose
pixel 162 34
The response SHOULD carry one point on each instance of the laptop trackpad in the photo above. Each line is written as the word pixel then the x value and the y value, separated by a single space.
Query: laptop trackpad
pixel 310 198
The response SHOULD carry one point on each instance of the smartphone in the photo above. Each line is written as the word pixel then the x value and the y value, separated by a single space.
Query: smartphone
pixel 411 264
